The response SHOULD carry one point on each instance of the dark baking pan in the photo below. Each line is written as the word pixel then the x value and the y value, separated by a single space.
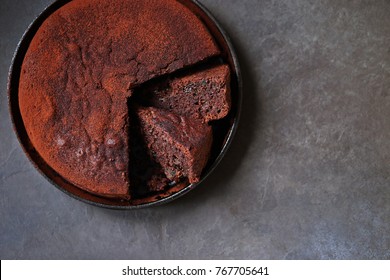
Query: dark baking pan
pixel 222 137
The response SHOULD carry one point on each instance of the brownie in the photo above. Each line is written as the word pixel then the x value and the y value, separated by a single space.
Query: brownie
pixel 80 69
pixel 180 144
pixel 203 95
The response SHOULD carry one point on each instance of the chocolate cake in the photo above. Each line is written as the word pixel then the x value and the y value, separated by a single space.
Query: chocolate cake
pixel 82 67
pixel 203 95
pixel 180 144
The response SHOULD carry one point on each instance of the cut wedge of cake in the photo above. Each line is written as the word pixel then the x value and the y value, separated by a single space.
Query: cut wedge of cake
pixel 181 145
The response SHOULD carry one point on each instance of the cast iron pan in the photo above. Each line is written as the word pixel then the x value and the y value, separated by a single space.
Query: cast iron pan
pixel 223 135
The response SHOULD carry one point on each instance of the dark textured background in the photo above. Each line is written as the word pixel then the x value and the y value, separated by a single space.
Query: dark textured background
pixel 307 176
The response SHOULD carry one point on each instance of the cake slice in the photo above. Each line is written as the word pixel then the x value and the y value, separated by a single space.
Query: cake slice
pixel 203 95
pixel 181 145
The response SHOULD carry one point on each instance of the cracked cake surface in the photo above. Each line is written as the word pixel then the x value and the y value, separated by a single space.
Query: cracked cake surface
pixel 79 71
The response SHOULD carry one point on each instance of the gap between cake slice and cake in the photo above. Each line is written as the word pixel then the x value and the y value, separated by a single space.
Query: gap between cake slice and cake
pixel 145 174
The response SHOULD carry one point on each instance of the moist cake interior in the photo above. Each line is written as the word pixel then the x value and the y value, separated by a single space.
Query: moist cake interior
pixel 201 94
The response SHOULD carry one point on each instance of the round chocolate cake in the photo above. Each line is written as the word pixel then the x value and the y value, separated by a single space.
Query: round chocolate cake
pixel 119 97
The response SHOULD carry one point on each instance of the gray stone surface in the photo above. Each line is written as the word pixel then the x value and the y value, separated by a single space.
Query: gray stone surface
pixel 307 177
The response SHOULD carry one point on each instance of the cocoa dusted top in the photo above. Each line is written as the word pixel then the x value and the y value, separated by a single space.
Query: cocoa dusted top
pixel 80 69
